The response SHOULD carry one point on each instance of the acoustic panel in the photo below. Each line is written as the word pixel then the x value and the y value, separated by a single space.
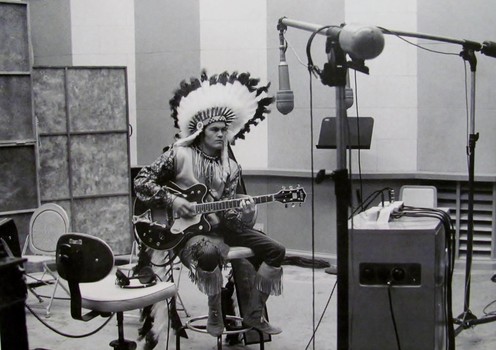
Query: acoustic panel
pixel 16 120
pixel 84 148
pixel 97 99
pixel 18 185
pixel 14 50
pixel 107 218
pixel 54 167
pixel 49 100
pixel 99 164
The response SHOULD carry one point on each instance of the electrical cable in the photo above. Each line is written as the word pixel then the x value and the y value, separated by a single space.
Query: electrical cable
pixel 393 319
pixel 322 315
pixel 417 45
pixel 66 334
pixel 313 202
pixel 368 201
pixel 449 230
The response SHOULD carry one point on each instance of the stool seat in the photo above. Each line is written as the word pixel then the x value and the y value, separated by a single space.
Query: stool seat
pixel 239 253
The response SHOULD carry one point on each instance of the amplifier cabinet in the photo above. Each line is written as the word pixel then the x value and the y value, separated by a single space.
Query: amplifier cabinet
pixel 405 259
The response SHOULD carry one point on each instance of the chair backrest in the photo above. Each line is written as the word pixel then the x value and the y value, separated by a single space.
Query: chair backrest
pixel 47 224
pixel 419 196
pixel 82 258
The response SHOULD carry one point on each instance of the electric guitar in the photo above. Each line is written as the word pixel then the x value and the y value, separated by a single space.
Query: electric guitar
pixel 159 228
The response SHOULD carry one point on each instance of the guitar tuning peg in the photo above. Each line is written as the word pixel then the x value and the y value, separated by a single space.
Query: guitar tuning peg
pixel 283 187
pixel 290 187
pixel 293 205
pixel 285 205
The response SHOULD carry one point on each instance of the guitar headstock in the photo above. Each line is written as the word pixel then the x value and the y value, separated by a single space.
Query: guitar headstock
pixel 291 195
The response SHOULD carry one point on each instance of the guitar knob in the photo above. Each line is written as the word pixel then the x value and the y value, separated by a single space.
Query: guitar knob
pixel 200 227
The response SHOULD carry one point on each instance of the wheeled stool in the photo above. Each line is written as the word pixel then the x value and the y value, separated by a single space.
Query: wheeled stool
pixel 195 324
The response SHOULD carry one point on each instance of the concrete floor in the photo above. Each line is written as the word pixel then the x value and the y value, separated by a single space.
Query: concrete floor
pixel 294 311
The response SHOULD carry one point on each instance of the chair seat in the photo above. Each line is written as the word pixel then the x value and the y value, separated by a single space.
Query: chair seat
pixel 239 253
pixel 106 296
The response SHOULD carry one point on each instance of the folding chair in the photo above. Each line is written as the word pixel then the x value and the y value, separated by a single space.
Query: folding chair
pixel 47 224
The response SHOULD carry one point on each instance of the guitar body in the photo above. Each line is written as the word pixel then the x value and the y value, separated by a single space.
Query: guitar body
pixel 157 228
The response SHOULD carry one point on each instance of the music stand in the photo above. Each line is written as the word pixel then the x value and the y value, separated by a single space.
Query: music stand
pixel 359 133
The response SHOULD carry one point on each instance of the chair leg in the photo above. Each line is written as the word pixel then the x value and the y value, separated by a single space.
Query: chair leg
pixel 183 307
pixel 121 343
pixel 57 284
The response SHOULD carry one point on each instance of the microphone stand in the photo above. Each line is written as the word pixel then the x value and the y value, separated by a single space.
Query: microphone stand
pixel 335 74
pixel 338 68
pixel 466 319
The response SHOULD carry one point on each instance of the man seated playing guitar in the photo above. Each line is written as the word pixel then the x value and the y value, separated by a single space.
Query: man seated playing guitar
pixel 210 113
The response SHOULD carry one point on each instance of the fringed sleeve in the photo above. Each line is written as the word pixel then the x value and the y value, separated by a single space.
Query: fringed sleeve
pixel 150 181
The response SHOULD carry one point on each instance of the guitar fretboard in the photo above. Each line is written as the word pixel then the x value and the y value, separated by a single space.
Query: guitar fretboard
pixel 211 207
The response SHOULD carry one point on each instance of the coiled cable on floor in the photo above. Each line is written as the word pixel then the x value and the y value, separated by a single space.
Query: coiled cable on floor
pixel 66 334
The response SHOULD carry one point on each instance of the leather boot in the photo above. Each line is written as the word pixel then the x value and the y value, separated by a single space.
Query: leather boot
pixel 215 323
pixel 254 316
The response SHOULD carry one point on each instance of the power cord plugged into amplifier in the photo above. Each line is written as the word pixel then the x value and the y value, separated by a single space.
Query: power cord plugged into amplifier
pixel 390 274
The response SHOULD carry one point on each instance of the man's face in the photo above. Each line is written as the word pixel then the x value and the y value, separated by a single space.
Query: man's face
pixel 213 138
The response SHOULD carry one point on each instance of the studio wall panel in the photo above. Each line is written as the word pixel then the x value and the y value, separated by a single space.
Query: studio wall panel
pixel 105 217
pixel 99 164
pixel 16 120
pixel 14 51
pixel 54 180
pixel 49 99
pixel 18 185
pixel 97 99
pixel 84 148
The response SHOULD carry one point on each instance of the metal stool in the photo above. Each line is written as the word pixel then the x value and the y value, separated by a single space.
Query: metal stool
pixel 195 325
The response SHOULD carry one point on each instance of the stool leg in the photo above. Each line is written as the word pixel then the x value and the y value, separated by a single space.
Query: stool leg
pixel 261 338
pixel 219 342
pixel 178 337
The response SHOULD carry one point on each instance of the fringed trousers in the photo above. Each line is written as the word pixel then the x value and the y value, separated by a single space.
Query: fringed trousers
pixel 205 255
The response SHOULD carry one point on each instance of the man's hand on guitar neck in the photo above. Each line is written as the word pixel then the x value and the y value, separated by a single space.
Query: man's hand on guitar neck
pixel 248 210
pixel 183 208
pixel 247 206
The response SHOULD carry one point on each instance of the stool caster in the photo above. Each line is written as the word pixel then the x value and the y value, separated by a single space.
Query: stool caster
pixel 123 344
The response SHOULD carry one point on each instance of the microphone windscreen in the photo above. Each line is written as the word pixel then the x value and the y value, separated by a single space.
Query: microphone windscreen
pixel 285 101
pixel 361 42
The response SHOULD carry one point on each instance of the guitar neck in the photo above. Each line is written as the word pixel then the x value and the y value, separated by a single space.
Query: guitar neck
pixel 211 207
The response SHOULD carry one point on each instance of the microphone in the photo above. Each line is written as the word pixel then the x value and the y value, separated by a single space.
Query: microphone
pixel 284 97
pixel 361 42
pixel 489 48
